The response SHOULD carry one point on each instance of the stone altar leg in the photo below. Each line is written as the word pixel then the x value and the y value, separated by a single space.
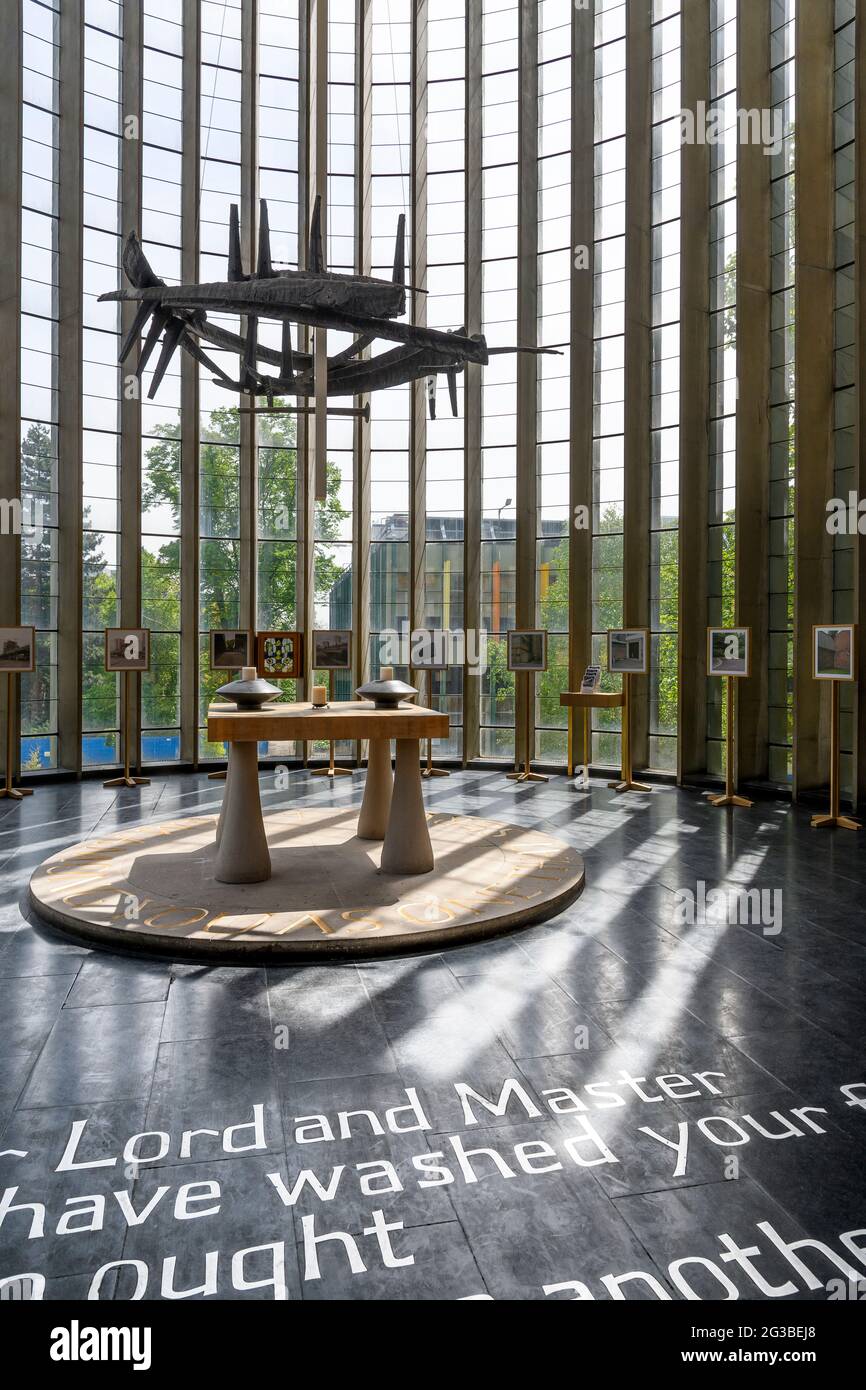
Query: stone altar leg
pixel 242 855
pixel 407 848
pixel 373 820
pixel 225 801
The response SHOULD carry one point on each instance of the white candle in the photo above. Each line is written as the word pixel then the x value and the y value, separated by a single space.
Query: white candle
pixel 320 695
pixel 248 673
pixel 386 673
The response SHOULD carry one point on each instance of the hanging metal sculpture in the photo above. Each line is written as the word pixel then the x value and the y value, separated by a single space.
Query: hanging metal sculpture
pixel 361 305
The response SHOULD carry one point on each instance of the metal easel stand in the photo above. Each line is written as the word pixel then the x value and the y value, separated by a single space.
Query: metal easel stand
pixel 429 770
pixel 13 793
pixel 835 817
pixel 729 797
pixel 127 780
pixel 627 782
pixel 527 775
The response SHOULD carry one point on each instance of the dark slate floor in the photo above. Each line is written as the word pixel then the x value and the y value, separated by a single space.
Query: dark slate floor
pixel 629 1178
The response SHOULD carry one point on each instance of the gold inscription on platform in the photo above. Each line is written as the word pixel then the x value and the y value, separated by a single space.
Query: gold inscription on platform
pixel 511 869
pixel 87 899
pixel 307 917
pixel 230 922
pixel 192 917
pixel 360 919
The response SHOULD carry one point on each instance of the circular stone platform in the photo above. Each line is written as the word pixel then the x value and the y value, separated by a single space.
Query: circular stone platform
pixel 153 889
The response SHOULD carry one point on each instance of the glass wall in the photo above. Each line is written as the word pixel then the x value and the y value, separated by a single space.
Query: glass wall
pixel 554 331
pixel 390 195
pixel 332 539
pixel 446 253
pixel 500 87
pixel 161 231
pixel 40 148
pixel 782 399
pixel 608 428
pixel 242 545
pixel 219 422
pixel 276 437
pixel 278 34
pixel 102 227
pixel 665 387
pixel 721 579
pixel 844 356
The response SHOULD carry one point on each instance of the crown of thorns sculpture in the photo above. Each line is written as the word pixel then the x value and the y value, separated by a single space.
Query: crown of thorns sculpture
pixel 359 305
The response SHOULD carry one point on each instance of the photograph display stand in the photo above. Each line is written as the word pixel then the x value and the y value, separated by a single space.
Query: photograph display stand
pixel 429 770
pixel 626 782
pixel 729 657
pixel 586 701
pixel 331 770
pixel 627 656
pixel 127 780
pixel 527 775
pixel 729 797
pixel 13 793
pixel 835 818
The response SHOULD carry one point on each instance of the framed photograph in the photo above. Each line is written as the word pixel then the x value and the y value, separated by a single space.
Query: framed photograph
pixel 430 648
pixel 729 651
pixel 17 649
pixel 834 652
pixel 127 649
pixel 231 649
pixel 527 649
pixel 280 655
pixel 332 649
pixel 628 651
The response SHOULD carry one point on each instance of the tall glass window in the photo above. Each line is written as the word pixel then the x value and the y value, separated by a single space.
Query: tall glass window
pixel 101 376
pixel 446 253
pixel 782 401
pixel 277 126
pixel 389 410
pixel 609 357
pixel 39 372
pixel 161 229
pixel 554 330
pixel 276 439
pixel 721 579
pixel 665 388
pixel 332 539
pixel 219 447
pixel 844 359
pixel 500 88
